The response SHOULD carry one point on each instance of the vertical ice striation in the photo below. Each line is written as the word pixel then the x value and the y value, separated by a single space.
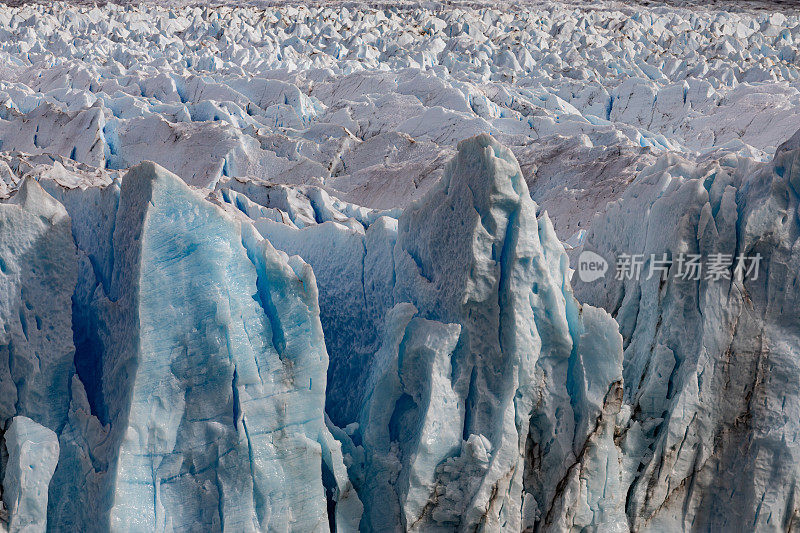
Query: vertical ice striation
pixel 353 264
pixel 519 371
pixel 157 343
pixel 188 425
pixel 710 360
pixel 236 347
pixel 32 455
pixel 472 389
pixel 409 421
pixel 208 408
pixel 38 271
pixel 37 277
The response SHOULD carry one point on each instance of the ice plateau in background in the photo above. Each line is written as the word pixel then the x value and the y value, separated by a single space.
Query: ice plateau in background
pixel 307 268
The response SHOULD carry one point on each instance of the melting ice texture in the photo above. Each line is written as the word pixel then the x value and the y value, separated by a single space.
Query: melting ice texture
pixel 318 310
pixel 188 386
pixel 190 389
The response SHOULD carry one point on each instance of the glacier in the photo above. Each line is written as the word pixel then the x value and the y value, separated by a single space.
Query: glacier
pixel 218 420
pixel 32 456
pixel 130 401
pixel 277 267
pixel 708 363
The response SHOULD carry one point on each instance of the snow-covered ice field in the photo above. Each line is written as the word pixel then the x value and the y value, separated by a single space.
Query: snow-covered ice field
pixel 310 267
pixel 334 97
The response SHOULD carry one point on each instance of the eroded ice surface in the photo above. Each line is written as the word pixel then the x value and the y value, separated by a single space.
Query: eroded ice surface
pixel 303 268
pixel 369 103
pixel 710 364
pixel 32 456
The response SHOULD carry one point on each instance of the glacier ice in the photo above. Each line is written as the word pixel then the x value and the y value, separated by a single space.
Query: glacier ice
pixel 474 252
pixel 441 414
pixel 301 94
pixel 201 411
pixel 201 424
pixel 708 363
pixel 38 264
pixel 32 457
pixel 307 268
pixel 195 375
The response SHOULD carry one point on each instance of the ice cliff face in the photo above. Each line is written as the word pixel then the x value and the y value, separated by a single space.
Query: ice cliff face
pixel 186 379
pixel 457 395
pixel 32 456
pixel 37 256
pixel 473 252
pixel 710 364
pixel 214 422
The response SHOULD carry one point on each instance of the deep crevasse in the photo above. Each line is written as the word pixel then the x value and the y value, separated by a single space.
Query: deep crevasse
pixel 489 280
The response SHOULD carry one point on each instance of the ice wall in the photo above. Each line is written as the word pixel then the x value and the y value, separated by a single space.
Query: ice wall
pixel 32 456
pixel 165 352
pixel 479 359
pixel 532 370
pixel 198 400
pixel 710 364
pixel 37 277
